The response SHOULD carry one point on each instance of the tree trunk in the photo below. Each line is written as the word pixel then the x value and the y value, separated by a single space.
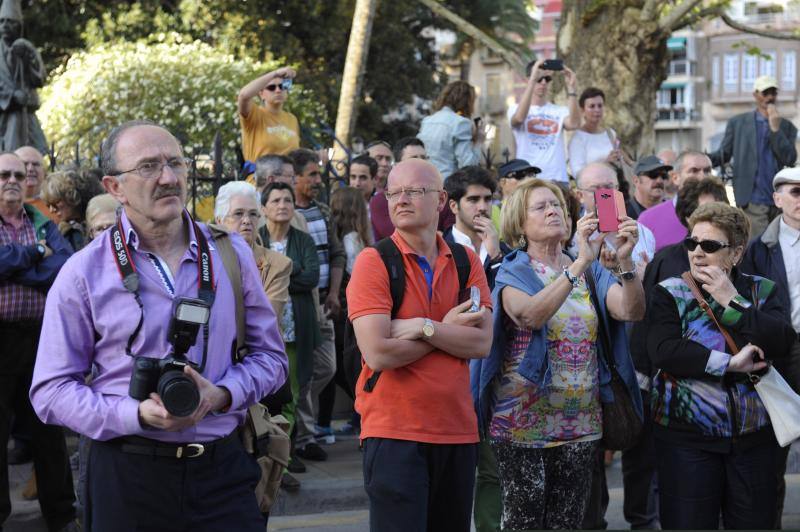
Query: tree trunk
pixel 355 61
pixel 613 49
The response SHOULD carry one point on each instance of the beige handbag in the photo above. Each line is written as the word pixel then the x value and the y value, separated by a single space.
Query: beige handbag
pixel 263 435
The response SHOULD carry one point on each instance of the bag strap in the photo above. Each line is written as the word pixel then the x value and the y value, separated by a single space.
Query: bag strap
pixel 605 335
pixel 393 261
pixel 233 269
pixel 463 265
pixel 689 280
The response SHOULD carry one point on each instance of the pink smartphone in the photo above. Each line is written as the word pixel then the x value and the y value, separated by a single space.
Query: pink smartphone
pixel 610 206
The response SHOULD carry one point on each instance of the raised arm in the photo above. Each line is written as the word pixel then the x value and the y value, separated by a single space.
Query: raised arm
pixel 524 106
pixel 248 92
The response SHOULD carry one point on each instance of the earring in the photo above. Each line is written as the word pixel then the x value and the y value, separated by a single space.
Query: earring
pixel 521 242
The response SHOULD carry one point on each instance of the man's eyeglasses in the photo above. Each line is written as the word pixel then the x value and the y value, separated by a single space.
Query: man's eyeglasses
pixel 522 174
pixel 153 169
pixel 411 193
pixel 546 79
pixel 7 175
pixel 613 186
pixel 657 175
pixel 708 246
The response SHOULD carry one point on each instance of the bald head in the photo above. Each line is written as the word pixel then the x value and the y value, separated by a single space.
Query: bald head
pixel 34 170
pixel 421 172
pixel 594 176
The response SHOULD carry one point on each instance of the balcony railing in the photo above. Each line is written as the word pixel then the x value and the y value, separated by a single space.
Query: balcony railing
pixel 681 67
pixel 678 114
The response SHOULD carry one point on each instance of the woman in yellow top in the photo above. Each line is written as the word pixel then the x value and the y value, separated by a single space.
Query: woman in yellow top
pixel 268 129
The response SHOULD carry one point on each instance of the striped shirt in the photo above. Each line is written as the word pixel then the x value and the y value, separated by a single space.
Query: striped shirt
pixel 318 229
pixel 19 302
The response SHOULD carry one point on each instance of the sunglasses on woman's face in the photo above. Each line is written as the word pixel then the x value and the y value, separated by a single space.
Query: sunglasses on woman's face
pixel 708 246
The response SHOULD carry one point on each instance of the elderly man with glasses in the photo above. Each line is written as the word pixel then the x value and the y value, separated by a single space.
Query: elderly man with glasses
pixel 538 125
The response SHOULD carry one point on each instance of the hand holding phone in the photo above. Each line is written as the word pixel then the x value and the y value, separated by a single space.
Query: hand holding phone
pixel 610 205
pixel 475 296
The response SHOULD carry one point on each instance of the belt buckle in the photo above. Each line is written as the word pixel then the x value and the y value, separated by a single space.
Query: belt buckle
pixel 199 449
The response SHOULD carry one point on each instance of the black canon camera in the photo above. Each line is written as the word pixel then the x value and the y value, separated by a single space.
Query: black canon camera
pixel 165 376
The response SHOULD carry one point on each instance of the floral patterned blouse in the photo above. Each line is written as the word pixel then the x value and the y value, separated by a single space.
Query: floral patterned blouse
pixel 566 408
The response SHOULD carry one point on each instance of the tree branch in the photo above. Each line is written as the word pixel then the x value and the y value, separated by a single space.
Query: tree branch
pixel 649 10
pixel 708 12
pixel 673 19
pixel 755 31
pixel 469 29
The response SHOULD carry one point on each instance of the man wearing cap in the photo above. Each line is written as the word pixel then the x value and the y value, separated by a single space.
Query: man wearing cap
pixel 758 144
pixel 511 174
pixel 662 219
pixel 649 183
pixel 775 254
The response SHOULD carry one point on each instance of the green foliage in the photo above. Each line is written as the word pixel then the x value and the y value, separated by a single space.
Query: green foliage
pixel 190 88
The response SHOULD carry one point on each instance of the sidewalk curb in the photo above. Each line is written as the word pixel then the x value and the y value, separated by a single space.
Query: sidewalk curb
pixel 320 496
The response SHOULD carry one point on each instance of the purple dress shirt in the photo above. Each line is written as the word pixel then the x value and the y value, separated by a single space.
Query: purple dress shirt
pixel 89 316
pixel 664 223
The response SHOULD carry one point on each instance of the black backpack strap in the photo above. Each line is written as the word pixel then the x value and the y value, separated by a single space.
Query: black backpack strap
pixel 462 264
pixel 393 260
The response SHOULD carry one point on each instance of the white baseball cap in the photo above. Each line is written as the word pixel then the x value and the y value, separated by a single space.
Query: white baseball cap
pixel 787 175
pixel 765 82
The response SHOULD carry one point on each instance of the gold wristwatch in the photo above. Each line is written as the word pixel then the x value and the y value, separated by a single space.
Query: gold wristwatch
pixel 427 328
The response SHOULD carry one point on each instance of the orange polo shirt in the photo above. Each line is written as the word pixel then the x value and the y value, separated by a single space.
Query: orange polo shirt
pixel 429 400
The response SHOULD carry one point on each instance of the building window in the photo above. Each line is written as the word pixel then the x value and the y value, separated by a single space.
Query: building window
pixel 715 74
pixel 749 68
pixel 494 95
pixel 789 71
pixel 767 64
pixel 731 73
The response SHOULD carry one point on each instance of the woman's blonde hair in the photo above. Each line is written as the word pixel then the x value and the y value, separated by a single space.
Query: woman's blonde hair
pixel 458 96
pixel 730 220
pixel 100 204
pixel 515 210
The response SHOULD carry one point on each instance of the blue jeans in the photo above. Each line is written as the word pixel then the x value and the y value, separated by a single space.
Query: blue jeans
pixel 696 486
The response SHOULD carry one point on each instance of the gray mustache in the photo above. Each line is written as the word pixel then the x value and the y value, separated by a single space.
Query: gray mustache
pixel 167 191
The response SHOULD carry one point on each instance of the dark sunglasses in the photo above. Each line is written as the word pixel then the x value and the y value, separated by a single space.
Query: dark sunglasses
pixel 794 192
pixel 523 174
pixel 546 79
pixel 659 175
pixel 285 85
pixel 772 91
pixel 708 246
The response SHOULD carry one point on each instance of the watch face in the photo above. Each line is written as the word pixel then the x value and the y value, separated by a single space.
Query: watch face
pixel 627 276
pixel 427 329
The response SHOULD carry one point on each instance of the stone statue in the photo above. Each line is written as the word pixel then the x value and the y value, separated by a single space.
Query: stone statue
pixel 21 73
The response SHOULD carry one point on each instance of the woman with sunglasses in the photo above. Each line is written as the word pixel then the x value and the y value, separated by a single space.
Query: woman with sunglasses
pixel 267 129
pixel 715 446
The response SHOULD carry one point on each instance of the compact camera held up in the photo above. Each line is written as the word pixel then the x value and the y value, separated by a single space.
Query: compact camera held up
pixel 166 376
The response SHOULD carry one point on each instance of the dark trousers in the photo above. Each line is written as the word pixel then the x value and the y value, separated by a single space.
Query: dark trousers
pixel 640 504
pixel 18 345
pixel 214 492
pixel 695 486
pixel 345 377
pixel 418 487
pixel 597 504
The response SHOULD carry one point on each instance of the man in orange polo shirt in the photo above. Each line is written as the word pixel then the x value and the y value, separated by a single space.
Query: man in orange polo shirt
pixel 418 425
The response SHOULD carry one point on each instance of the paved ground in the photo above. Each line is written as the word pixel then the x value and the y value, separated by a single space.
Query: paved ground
pixel 332 497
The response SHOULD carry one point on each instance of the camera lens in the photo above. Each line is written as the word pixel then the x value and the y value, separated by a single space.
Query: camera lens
pixel 178 392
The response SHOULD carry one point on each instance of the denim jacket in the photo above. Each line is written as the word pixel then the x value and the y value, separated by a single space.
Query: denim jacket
pixel 516 272
pixel 448 141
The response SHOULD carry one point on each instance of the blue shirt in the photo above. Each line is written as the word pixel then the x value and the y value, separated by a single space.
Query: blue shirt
pixel 767 166
pixel 427 271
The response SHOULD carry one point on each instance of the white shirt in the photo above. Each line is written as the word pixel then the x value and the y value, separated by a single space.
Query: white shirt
pixel 540 139
pixel 585 148
pixel 464 240
pixel 789 239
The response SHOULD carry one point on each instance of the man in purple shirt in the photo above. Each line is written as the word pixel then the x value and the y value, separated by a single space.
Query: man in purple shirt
pixel 31 253
pixel 149 469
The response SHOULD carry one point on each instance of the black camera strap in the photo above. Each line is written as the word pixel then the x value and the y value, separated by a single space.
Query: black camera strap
pixel 130 278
